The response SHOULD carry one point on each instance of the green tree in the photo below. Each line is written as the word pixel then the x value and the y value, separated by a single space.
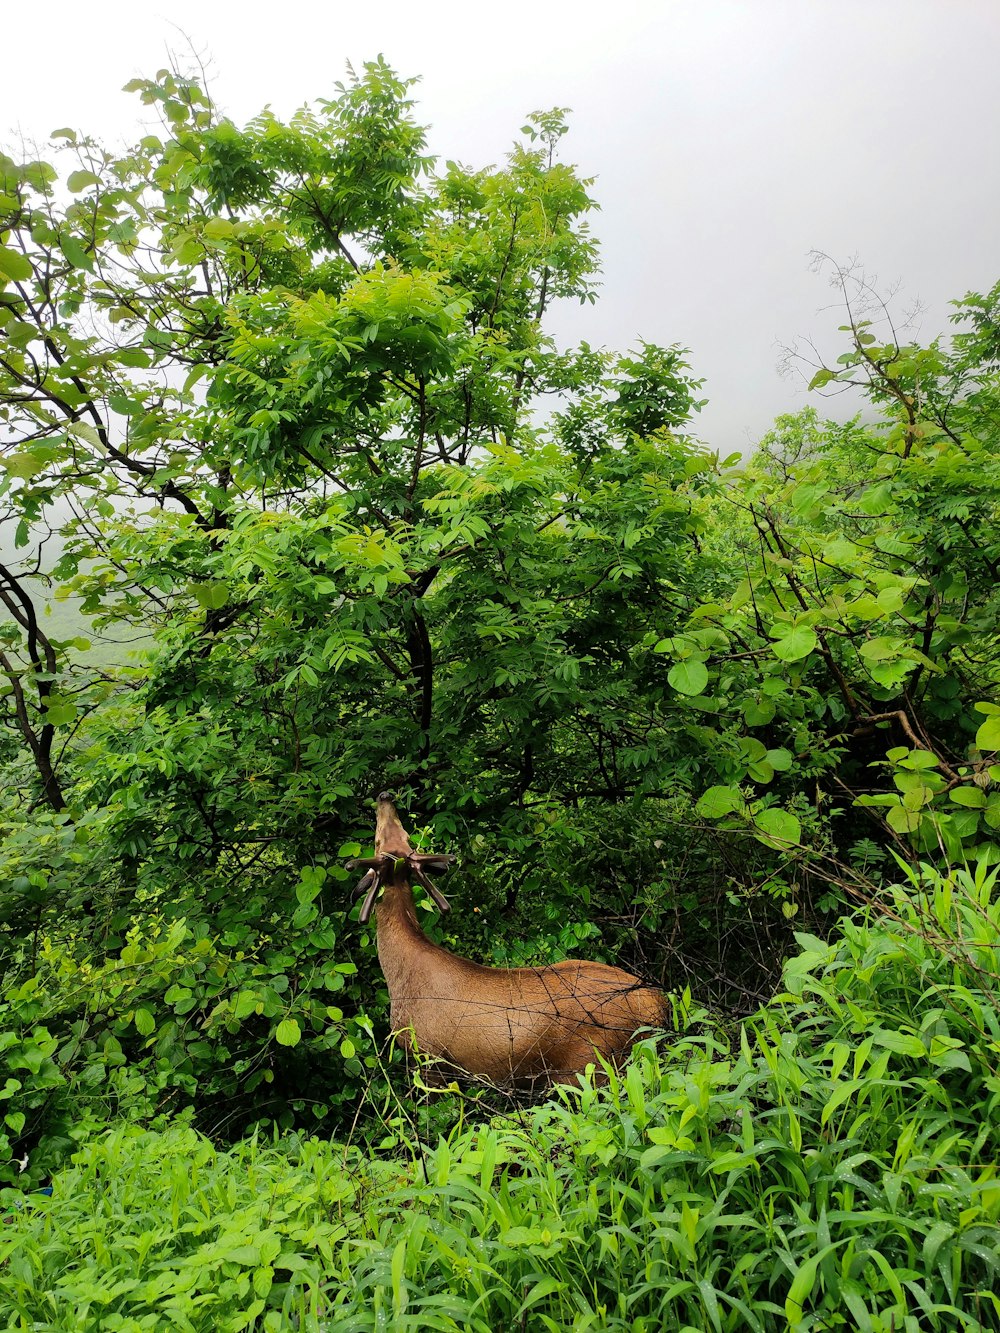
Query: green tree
pixel 865 630
pixel 291 380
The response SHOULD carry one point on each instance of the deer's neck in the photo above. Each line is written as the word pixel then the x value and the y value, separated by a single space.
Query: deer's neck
pixel 404 951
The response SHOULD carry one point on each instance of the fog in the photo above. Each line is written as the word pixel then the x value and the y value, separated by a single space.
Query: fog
pixel 729 139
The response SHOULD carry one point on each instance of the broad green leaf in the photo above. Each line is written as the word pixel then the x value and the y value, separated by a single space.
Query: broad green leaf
pixel 26 464
pixel 243 1004
pixel 39 175
pixel 758 713
pixel 970 796
pixel 902 820
pixel 916 759
pixel 720 801
pixel 134 357
pixel 891 599
pixel 881 649
pixel 901 1043
pixel 85 431
pixel 14 265
pixel 217 229
pixel 752 749
pixel 840 551
pixel 778 828
pixel 211 596
pixel 689 676
pixel 75 253
pixel 288 1032
pixel 797 643
pixel 145 1023
pixel 988 735
pixel 60 714
pixel 79 180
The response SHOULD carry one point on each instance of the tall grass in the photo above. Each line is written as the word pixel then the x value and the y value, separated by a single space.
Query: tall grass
pixel 830 1165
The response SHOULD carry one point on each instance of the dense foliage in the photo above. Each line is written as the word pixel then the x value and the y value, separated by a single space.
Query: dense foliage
pixel 299 501
pixel 831 1165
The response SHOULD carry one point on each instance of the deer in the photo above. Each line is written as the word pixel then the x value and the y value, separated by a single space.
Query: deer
pixel 524 1028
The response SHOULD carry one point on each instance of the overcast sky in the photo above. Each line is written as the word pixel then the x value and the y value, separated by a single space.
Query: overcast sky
pixel 729 138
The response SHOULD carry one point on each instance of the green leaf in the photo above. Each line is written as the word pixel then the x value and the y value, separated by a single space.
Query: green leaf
pixel 915 759
pixel 780 759
pixel 79 180
pixel 969 796
pixel 720 801
pixel 59 714
pixel 219 229
pixel 797 643
pixel 988 735
pixel 758 713
pixel 901 1043
pixel 689 676
pixel 145 1024
pixel 881 649
pixel 39 175
pixel 14 265
pixel 243 1004
pixel 288 1032
pixel 75 253
pixel 902 820
pixel 803 1283
pixel 303 915
pixel 211 596
pixel 306 891
pixel 840 551
pixel 778 828
pixel 133 356
pixel 26 464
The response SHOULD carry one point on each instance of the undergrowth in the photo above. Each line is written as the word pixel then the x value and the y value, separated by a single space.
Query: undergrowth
pixel 831 1166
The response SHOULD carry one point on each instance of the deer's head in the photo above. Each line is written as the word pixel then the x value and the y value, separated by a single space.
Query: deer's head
pixel 395 862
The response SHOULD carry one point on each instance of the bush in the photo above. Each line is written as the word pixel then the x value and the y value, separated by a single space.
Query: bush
pixel 832 1166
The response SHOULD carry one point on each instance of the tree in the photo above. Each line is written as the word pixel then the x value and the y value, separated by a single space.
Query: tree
pixel 289 379
pixel 867 624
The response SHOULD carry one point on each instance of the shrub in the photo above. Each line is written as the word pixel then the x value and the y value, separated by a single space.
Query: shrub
pixel 832 1166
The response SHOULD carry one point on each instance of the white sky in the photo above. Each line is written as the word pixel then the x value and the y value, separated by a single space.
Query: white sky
pixel 729 138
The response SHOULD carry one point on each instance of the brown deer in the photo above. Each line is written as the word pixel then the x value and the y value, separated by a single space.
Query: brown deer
pixel 524 1026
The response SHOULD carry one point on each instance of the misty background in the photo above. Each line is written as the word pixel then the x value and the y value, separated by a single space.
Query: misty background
pixel 729 138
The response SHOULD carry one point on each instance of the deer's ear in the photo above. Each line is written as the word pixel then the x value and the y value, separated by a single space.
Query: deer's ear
pixel 438 864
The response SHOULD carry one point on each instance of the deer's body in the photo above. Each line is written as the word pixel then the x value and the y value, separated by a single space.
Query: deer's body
pixel 519 1025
